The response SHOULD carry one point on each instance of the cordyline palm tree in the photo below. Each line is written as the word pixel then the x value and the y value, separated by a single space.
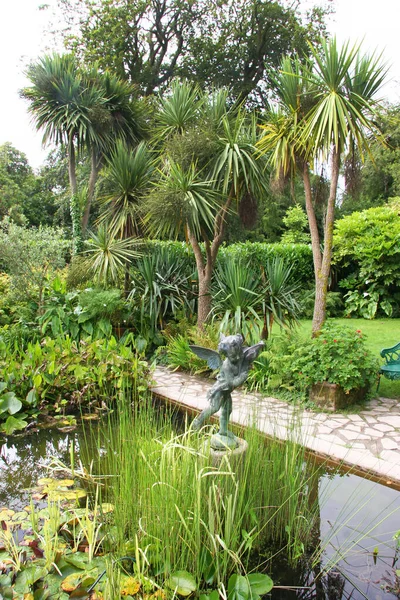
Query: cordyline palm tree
pixel 128 174
pixel 60 104
pixel 80 110
pixel 118 117
pixel 106 257
pixel 195 194
pixel 325 107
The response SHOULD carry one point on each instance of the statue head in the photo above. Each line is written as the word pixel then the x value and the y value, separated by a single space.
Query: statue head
pixel 231 346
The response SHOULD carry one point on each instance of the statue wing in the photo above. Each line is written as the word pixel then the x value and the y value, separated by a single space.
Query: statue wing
pixel 211 356
pixel 250 354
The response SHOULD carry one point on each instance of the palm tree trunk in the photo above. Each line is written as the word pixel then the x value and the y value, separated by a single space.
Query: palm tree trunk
pixel 322 278
pixel 204 271
pixel 312 221
pixel 94 173
pixel 74 203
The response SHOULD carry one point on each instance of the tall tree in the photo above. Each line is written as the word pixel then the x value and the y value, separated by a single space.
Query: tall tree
pixel 326 107
pixel 83 110
pixel 208 168
pixel 23 193
pixel 378 177
pixel 222 43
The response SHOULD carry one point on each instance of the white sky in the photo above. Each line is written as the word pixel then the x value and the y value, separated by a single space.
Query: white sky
pixel 22 38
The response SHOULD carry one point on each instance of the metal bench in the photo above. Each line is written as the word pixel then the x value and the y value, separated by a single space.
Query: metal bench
pixel 391 367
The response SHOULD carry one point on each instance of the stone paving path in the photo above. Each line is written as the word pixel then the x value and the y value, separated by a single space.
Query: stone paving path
pixel 368 441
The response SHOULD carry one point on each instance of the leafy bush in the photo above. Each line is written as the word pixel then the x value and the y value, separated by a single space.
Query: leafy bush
pixel 238 299
pixel 163 290
pixel 60 372
pixel 254 253
pixel 338 355
pixel 306 300
pixel 296 223
pixel 367 244
pixel 299 256
pixel 177 354
pixel 31 257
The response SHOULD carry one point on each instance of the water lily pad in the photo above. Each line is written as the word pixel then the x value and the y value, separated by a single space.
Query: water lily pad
pixel 6 514
pixel 20 516
pixel 238 588
pixel 183 582
pixel 45 481
pixel 106 507
pixel 91 417
pixel 60 495
pixel 129 586
pixel 71 582
pixel 28 577
pixel 260 584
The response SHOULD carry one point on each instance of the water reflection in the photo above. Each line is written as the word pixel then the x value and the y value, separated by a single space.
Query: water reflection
pixel 23 460
pixel 353 539
pixel 356 518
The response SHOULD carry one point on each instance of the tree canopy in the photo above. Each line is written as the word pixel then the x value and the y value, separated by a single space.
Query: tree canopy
pixel 230 43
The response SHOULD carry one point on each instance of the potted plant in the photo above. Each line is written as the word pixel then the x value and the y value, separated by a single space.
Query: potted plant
pixel 335 368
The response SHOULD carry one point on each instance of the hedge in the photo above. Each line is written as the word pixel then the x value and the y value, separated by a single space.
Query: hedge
pixel 257 253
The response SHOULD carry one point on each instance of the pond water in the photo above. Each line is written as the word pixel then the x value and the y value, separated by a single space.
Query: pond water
pixel 357 517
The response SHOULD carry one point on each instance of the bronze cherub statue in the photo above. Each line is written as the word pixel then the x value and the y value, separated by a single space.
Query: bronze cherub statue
pixel 233 372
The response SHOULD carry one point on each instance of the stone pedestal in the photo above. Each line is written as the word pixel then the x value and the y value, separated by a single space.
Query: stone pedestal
pixel 234 455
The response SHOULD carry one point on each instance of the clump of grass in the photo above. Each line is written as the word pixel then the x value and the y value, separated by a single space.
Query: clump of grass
pixel 187 514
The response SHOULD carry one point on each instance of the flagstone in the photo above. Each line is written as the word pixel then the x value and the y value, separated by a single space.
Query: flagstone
pixel 369 440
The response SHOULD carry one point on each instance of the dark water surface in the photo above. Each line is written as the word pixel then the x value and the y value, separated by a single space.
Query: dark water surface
pixel 358 518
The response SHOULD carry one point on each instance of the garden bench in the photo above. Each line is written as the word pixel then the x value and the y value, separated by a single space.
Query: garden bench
pixel 391 367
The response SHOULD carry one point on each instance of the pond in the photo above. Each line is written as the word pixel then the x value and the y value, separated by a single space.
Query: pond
pixel 357 518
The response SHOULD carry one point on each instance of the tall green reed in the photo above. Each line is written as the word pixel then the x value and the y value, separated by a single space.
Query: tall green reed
pixel 186 513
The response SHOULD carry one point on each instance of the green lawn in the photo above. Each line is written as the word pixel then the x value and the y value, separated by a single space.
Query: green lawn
pixel 379 333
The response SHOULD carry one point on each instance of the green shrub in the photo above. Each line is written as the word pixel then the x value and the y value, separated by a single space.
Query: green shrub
pixel 60 372
pixel 31 257
pixel 338 355
pixel 255 253
pixel 299 256
pixel 306 300
pixel 367 245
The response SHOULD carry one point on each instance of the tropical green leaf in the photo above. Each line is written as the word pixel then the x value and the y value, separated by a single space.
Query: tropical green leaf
pixel 182 582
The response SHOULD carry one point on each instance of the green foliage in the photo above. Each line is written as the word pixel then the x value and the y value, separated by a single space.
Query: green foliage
pixel 162 290
pixel 367 246
pixel 58 370
pixel 207 520
pixel 177 354
pixel 299 256
pixel 127 176
pixel 295 222
pixel 306 300
pixel 270 370
pixel 90 313
pixel 106 257
pixel 238 299
pixel 337 355
pixel 255 253
pixel 372 182
pixel 235 44
pixel 31 257
pixel 23 195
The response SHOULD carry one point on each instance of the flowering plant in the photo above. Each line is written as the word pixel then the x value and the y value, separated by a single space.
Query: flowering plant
pixel 338 355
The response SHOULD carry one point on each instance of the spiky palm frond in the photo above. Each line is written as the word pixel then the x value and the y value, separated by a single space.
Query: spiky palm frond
pixel 107 256
pixel 60 102
pixel 179 110
pixel 236 169
pixel 182 198
pixel 347 83
pixel 128 173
